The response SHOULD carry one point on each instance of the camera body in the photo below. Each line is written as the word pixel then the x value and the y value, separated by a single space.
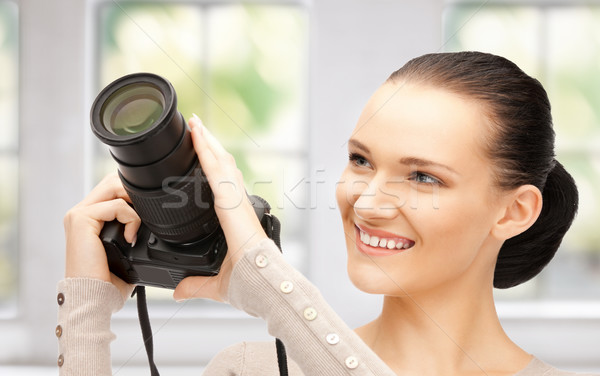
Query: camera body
pixel 155 262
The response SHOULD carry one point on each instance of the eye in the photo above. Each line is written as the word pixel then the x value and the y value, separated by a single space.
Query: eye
pixel 423 178
pixel 358 160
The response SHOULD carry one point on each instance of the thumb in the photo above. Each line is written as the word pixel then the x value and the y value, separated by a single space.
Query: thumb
pixel 199 287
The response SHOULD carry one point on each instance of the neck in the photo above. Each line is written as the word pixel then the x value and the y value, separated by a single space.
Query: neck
pixel 450 331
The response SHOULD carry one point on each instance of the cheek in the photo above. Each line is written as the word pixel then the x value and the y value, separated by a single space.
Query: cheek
pixel 456 231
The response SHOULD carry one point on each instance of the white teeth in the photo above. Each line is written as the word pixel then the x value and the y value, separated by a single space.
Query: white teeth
pixel 375 241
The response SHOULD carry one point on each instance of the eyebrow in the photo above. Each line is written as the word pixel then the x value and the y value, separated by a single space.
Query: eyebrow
pixel 407 161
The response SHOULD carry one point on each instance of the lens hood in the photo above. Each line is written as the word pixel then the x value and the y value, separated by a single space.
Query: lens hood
pixel 149 145
pixel 162 150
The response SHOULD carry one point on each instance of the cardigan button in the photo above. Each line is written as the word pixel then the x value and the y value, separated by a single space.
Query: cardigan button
pixel 261 261
pixel 351 362
pixel 332 339
pixel 286 287
pixel 60 298
pixel 61 360
pixel 310 313
pixel 58 331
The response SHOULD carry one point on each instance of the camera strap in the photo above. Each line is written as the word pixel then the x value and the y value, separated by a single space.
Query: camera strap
pixel 142 308
pixel 272 227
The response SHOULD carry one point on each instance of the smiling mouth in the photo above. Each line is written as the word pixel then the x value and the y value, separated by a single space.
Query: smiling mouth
pixel 382 243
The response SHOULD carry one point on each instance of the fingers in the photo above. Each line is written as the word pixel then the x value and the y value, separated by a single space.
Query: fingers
pixel 213 156
pixel 85 254
pixel 224 178
pixel 109 188
pixel 209 140
pixel 105 211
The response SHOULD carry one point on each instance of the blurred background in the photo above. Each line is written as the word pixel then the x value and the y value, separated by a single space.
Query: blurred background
pixel 281 84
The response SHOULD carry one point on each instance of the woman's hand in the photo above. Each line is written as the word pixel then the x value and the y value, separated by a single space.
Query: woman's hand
pixel 236 215
pixel 85 253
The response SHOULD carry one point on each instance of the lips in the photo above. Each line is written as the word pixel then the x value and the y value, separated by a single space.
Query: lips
pixel 380 243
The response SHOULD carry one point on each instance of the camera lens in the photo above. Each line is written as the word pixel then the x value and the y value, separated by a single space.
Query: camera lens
pixel 137 117
pixel 132 109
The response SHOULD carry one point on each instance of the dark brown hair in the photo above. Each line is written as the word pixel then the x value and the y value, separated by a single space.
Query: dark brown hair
pixel 520 146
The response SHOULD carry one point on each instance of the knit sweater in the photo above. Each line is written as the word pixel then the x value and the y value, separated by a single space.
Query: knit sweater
pixel 317 341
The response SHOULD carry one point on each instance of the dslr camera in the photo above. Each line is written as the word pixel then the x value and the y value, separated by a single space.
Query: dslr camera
pixel 180 235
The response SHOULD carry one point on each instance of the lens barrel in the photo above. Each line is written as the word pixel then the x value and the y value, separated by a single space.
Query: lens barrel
pixel 137 117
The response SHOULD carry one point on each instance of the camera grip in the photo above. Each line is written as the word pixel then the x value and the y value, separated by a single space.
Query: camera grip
pixel 117 250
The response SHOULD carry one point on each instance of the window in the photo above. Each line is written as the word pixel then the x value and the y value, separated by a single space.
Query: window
pixel 242 68
pixel 8 155
pixel 559 45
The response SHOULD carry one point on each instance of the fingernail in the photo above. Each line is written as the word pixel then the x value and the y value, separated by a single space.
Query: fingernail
pixel 133 241
pixel 196 124
pixel 180 300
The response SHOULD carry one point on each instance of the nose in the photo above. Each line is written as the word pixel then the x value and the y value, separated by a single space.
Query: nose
pixel 379 198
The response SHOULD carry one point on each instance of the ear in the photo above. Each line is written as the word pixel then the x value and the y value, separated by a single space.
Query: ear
pixel 522 209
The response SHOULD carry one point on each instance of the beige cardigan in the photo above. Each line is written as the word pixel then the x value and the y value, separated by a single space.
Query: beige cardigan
pixel 262 284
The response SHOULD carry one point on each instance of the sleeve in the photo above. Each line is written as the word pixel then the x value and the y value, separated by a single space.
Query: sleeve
pixel 316 338
pixel 85 307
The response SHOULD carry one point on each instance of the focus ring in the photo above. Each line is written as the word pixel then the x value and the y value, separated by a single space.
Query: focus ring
pixel 180 213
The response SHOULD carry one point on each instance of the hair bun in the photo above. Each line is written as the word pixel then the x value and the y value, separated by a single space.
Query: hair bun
pixel 525 255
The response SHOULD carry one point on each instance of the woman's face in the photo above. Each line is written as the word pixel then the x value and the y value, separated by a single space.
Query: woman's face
pixel 417 198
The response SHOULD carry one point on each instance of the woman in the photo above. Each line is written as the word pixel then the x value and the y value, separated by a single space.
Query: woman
pixel 451 189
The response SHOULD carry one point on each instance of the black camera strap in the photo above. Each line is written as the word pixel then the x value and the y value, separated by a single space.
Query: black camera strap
pixel 272 228
pixel 142 308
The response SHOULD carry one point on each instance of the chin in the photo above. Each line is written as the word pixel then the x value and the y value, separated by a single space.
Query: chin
pixel 371 279
pixel 365 285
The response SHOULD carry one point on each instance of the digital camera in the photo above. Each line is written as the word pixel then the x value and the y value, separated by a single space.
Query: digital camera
pixel 180 235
